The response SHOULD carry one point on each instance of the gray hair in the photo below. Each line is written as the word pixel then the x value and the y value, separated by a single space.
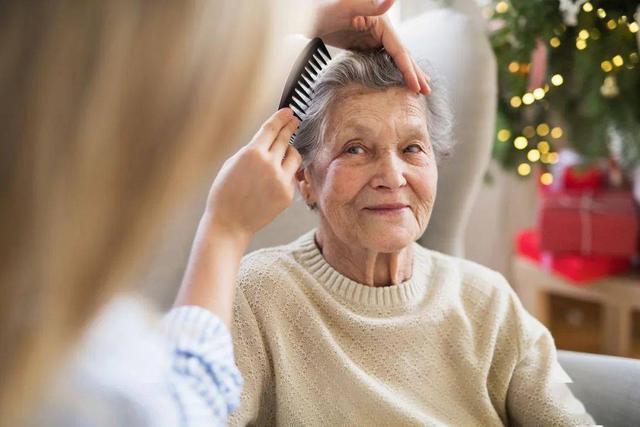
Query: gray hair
pixel 375 70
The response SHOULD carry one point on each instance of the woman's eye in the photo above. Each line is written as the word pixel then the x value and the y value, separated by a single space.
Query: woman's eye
pixel 413 148
pixel 355 149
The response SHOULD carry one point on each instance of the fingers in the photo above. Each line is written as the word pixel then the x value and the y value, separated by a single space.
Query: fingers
pixel 369 7
pixel 280 145
pixel 423 80
pixel 269 131
pixel 393 45
pixel 292 161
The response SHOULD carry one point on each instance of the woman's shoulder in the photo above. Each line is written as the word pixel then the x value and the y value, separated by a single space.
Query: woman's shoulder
pixel 272 264
pixel 470 275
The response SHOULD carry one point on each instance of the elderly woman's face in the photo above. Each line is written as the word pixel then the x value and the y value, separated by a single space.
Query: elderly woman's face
pixel 374 175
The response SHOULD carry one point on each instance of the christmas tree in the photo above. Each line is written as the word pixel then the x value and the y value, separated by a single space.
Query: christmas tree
pixel 569 76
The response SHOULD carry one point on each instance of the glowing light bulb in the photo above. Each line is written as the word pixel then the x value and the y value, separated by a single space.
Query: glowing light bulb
pixel 528 98
pixel 606 66
pixel 557 80
pixel 542 129
pixel 524 169
pixel 538 93
pixel 516 101
pixel 502 7
pixel 546 178
pixel 504 135
pixel 533 155
pixel 556 133
pixel 520 143
pixel 618 61
pixel 543 147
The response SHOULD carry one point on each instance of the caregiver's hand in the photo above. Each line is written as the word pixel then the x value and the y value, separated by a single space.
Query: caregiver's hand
pixel 256 184
pixel 251 189
pixel 361 24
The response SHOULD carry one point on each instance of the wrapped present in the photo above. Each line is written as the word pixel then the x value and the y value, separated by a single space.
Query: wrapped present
pixel 602 223
pixel 578 269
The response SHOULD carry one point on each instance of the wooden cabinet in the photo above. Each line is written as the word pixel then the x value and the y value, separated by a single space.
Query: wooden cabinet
pixel 602 317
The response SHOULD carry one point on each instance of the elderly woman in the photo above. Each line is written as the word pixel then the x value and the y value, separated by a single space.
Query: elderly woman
pixel 356 324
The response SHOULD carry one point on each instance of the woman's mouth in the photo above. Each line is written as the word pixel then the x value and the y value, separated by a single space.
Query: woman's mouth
pixel 387 208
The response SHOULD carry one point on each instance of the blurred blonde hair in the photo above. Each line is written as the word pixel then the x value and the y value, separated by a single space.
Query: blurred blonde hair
pixel 109 111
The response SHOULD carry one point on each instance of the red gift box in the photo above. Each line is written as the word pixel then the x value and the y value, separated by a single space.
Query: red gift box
pixel 591 223
pixel 577 268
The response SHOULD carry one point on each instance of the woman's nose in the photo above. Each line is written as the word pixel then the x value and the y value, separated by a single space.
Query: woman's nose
pixel 389 172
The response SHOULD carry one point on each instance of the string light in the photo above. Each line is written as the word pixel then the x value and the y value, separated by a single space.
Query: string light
pixel 553 158
pixel 538 93
pixel 556 132
pixel 504 135
pixel 606 66
pixel 587 7
pixel 528 98
pixel 557 80
pixel 583 34
pixel 554 42
pixel 529 131
pixel 516 101
pixel 543 147
pixel 542 129
pixel 601 13
pixel 513 67
pixel 634 58
pixel 546 178
pixel 520 143
pixel 533 155
pixel 611 24
pixel 634 27
pixel 524 169
pixel 502 7
pixel 581 44
pixel 618 61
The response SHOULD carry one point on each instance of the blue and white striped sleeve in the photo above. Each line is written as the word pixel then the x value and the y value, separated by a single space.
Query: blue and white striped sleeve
pixel 205 380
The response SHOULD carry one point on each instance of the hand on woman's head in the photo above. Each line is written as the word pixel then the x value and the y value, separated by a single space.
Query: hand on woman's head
pixel 256 183
pixel 362 25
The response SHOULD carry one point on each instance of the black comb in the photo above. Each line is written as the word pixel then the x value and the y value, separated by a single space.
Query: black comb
pixel 299 88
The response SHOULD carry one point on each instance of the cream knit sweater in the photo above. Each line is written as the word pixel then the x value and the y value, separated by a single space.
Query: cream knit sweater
pixel 450 346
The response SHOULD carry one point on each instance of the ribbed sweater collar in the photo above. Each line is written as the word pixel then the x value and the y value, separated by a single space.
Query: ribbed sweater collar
pixel 407 293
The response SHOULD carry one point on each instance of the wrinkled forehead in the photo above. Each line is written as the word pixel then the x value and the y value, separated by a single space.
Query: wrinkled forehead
pixel 361 110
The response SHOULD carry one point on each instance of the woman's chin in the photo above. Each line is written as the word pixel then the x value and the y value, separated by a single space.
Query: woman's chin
pixel 391 238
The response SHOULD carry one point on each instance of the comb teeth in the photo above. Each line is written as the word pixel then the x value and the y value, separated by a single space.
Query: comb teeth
pixel 299 89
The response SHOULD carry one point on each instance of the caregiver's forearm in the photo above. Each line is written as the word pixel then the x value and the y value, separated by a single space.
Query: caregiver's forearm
pixel 209 279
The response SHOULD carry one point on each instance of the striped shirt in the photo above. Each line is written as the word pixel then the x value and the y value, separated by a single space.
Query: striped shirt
pixel 132 370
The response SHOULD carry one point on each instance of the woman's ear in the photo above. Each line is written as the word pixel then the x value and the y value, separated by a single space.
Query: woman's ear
pixel 303 179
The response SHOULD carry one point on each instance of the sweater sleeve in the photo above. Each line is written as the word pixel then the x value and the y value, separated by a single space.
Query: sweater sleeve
pixel 538 393
pixel 257 401
pixel 204 379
